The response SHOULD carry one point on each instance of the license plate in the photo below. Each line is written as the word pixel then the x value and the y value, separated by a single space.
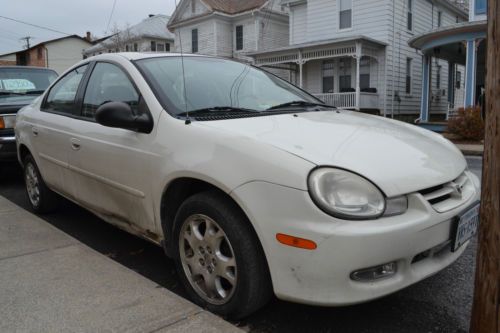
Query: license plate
pixel 466 227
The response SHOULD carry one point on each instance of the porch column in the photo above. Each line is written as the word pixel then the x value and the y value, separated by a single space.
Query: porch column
pixel 424 107
pixel 451 82
pixel 301 63
pixel 358 89
pixel 470 74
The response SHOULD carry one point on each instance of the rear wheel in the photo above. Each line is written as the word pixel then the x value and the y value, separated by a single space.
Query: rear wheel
pixel 219 257
pixel 40 197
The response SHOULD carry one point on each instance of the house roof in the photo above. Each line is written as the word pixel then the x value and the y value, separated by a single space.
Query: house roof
pixel 229 7
pixel 151 27
pixel 47 42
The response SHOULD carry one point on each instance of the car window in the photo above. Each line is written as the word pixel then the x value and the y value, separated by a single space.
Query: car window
pixel 62 95
pixel 108 83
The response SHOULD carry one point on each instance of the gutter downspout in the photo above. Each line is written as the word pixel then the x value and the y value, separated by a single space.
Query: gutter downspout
pixel 392 57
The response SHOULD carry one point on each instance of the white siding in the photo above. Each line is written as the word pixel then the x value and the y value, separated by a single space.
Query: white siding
pixel 65 53
pixel 298 24
pixel 206 38
pixel 224 38
pixel 272 34
pixel 199 8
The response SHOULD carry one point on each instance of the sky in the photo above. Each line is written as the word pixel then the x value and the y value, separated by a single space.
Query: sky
pixel 70 16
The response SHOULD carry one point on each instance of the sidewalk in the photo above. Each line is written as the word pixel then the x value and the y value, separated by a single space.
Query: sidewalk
pixel 50 282
pixel 474 150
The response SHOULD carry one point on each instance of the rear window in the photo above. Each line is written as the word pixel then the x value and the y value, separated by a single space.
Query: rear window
pixel 25 80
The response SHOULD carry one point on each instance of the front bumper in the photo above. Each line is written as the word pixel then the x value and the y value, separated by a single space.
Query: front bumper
pixel 322 276
pixel 8 150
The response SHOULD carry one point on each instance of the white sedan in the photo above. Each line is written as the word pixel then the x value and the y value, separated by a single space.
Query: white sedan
pixel 252 185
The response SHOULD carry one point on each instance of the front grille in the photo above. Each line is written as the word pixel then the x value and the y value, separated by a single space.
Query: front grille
pixel 449 195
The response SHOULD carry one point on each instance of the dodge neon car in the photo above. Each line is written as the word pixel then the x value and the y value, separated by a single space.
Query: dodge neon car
pixel 251 184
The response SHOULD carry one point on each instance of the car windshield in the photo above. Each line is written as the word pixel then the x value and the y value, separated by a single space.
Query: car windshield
pixel 218 83
pixel 24 81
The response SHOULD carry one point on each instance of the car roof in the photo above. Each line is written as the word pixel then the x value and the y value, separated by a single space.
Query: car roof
pixel 141 55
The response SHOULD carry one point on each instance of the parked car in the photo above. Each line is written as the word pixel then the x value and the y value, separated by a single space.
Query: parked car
pixel 19 86
pixel 252 185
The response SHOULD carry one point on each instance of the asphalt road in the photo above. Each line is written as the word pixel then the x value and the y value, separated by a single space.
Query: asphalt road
pixel 441 303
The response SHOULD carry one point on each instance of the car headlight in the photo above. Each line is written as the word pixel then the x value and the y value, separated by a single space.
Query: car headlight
pixel 7 121
pixel 347 195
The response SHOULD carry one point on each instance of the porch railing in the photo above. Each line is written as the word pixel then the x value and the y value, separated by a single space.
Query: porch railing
pixel 340 100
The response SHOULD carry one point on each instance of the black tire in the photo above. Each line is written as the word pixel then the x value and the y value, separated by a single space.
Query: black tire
pixel 47 199
pixel 253 285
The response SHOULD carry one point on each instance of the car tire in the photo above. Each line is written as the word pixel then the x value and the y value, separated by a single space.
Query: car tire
pixel 217 248
pixel 42 200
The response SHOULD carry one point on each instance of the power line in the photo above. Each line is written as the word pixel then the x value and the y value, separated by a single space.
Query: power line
pixel 110 16
pixel 34 25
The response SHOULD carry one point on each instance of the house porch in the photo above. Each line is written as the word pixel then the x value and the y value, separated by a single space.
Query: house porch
pixel 347 73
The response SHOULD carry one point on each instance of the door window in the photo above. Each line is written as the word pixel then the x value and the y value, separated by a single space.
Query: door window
pixel 61 97
pixel 108 83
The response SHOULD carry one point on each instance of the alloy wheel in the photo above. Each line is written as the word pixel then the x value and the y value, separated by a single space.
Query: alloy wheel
pixel 32 184
pixel 208 259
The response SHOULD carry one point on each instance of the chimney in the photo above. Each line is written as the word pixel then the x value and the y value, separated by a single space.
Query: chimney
pixel 88 36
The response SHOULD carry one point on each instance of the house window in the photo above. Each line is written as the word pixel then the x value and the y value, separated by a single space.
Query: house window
pixel 160 47
pixel 135 47
pixel 39 53
pixel 193 6
pixel 458 83
pixel 364 74
pixel 327 70
pixel 239 37
pixel 480 7
pixel 194 40
pixel 440 19
pixel 409 23
pixel 345 16
pixel 345 75
pixel 167 47
pixel 457 19
pixel 153 46
pixel 438 77
pixel 408 75
pixel 127 48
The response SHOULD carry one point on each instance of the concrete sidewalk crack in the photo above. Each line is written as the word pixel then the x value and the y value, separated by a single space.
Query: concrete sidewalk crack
pixel 176 321
pixel 38 251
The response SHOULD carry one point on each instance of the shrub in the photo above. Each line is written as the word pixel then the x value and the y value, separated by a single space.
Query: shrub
pixel 468 124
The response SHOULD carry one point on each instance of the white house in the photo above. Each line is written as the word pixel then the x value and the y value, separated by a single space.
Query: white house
pixel 150 35
pixel 229 28
pixel 355 53
pixel 58 54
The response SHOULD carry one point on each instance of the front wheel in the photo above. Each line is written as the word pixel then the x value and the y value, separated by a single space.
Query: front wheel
pixel 219 257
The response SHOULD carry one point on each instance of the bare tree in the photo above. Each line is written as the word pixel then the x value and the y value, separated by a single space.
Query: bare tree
pixel 120 38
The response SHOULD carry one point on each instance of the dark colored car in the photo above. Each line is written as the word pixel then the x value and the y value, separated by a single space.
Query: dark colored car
pixel 19 86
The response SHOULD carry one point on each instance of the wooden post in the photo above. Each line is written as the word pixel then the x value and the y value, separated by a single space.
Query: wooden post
pixel 486 307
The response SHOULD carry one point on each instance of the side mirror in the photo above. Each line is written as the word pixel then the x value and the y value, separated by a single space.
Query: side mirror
pixel 120 115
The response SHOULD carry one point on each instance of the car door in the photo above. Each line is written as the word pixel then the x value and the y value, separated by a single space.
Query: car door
pixel 51 131
pixel 112 165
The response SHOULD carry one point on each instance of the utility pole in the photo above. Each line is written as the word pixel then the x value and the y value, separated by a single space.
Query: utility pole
pixel 27 39
pixel 486 307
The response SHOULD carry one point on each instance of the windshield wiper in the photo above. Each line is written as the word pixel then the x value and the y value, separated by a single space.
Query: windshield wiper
pixel 297 103
pixel 216 109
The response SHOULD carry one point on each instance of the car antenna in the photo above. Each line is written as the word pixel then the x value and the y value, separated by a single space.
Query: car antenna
pixel 188 120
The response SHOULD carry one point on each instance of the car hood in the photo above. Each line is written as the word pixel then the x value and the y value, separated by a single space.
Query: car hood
pixel 399 158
